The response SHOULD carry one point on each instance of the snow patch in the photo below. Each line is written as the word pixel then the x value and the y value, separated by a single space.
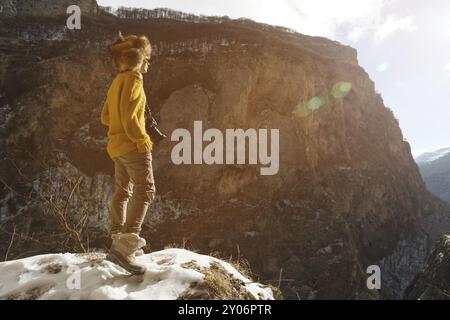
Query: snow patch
pixel 167 277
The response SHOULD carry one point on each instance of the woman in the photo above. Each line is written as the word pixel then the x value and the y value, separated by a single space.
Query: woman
pixel 130 147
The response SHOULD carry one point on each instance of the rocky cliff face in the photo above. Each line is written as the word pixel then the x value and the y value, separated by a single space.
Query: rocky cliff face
pixel 12 8
pixel 348 193
pixel 433 282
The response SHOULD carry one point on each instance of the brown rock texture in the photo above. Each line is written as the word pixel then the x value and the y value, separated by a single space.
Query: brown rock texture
pixel 11 8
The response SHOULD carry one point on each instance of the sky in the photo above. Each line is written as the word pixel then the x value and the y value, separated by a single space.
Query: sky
pixel 404 45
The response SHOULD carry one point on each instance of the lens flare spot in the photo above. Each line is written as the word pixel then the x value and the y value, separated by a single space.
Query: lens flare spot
pixel 304 109
pixel 383 67
pixel 315 103
pixel 301 110
pixel 341 89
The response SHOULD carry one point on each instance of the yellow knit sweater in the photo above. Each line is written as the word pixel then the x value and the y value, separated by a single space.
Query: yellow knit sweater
pixel 123 112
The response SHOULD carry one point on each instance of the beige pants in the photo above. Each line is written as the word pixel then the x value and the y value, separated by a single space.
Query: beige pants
pixel 133 181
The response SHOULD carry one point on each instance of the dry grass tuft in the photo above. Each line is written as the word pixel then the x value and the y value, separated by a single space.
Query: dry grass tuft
pixel 31 294
pixel 218 284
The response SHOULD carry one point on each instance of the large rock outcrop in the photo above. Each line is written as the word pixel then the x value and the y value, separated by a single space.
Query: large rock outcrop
pixel 433 281
pixel 348 193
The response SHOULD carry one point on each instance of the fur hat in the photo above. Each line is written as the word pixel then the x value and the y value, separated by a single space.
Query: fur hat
pixel 129 52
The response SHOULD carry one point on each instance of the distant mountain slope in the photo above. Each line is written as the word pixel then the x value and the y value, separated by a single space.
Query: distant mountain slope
pixel 435 170
pixel 433 155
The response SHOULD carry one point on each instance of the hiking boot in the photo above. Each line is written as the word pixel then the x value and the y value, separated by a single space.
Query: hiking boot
pixel 140 252
pixel 123 251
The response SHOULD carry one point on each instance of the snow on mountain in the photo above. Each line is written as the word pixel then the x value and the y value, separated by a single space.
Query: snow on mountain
pixel 171 274
pixel 435 170
pixel 432 155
